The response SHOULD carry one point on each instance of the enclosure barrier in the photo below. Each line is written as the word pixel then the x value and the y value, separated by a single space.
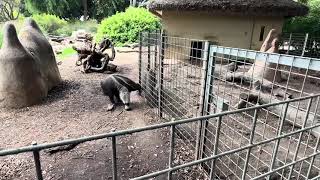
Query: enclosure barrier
pixel 184 78
pixel 300 44
pixel 209 96
pixel 217 118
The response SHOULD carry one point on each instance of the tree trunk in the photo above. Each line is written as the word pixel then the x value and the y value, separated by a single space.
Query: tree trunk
pixel 85 9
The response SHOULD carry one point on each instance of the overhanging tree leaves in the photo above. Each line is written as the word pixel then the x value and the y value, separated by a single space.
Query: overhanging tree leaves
pixel 102 8
pixel 97 9
pixel 61 8
pixel 308 24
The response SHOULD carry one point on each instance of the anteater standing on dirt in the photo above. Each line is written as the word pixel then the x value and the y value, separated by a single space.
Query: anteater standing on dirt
pixel 120 87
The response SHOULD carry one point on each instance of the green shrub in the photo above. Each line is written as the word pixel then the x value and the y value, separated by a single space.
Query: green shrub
pixel 50 24
pixel 124 27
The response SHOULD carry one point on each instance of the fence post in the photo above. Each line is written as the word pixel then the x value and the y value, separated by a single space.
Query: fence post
pixel 289 45
pixel 149 51
pixel 114 159
pixel 205 59
pixel 305 44
pixel 156 49
pixel 36 156
pixel 160 72
pixel 140 57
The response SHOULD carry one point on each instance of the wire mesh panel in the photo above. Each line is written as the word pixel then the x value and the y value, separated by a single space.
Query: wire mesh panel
pixel 174 65
pixel 184 78
pixel 253 156
pixel 237 79
pixel 300 45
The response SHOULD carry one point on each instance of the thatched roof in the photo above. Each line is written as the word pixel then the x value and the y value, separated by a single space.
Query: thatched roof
pixel 285 8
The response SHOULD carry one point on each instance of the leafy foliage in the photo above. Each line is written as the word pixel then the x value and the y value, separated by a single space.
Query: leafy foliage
pixel 50 24
pixel 9 10
pixel 125 27
pixel 308 24
pixel 61 8
pixel 97 9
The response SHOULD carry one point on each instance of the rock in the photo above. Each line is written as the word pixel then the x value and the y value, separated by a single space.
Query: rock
pixel 28 69
pixel 81 35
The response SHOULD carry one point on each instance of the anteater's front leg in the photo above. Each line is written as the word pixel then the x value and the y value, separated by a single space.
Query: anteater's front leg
pixel 112 105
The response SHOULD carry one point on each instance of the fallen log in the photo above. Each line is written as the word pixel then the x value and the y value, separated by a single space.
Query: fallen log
pixel 93 58
pixel 295 116
pixel 261 77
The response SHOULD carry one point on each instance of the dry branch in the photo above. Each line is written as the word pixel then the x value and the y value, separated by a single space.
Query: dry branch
pixel 94 58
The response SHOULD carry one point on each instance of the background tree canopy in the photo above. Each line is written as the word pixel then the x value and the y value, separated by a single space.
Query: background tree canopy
pixel 308 24
pixel 97 9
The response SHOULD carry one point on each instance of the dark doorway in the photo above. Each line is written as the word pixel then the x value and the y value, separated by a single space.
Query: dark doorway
pixel 196 52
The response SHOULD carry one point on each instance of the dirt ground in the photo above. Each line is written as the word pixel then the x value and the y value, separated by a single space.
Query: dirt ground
pixel 78 108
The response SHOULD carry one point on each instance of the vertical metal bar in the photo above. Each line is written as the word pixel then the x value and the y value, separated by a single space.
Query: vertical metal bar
pixel 160 81
pixel 148 42
pixel 140 57
pixel 208 98
pixel 254 123
pixel 36 157
pixel 205 59
pixel 216 144
pixel 156 40
pixel 289 45
pixel 114 159
pixel 305 44
pixel 276 147
pixel 313 158
pixel 203 92
pixel 171 156
pixel 300 137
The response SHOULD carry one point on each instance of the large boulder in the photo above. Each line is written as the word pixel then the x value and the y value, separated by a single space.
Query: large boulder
pixel 28 68
pixel 37 44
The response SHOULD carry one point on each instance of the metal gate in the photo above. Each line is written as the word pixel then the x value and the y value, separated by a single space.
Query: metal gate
pixel 185 78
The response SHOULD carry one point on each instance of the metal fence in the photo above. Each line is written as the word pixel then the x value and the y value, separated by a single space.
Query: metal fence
pixel 244 114
pixel 190 78
pixel 300 45
pixel 173 65
pixel 244 169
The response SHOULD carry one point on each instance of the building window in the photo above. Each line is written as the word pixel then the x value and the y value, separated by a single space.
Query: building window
pixel 196 52
pixel 262 33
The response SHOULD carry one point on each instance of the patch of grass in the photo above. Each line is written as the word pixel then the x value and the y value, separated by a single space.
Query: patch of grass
pixel 67 52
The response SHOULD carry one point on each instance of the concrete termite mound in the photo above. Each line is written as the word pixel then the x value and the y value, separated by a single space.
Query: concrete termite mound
pixel 28 68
